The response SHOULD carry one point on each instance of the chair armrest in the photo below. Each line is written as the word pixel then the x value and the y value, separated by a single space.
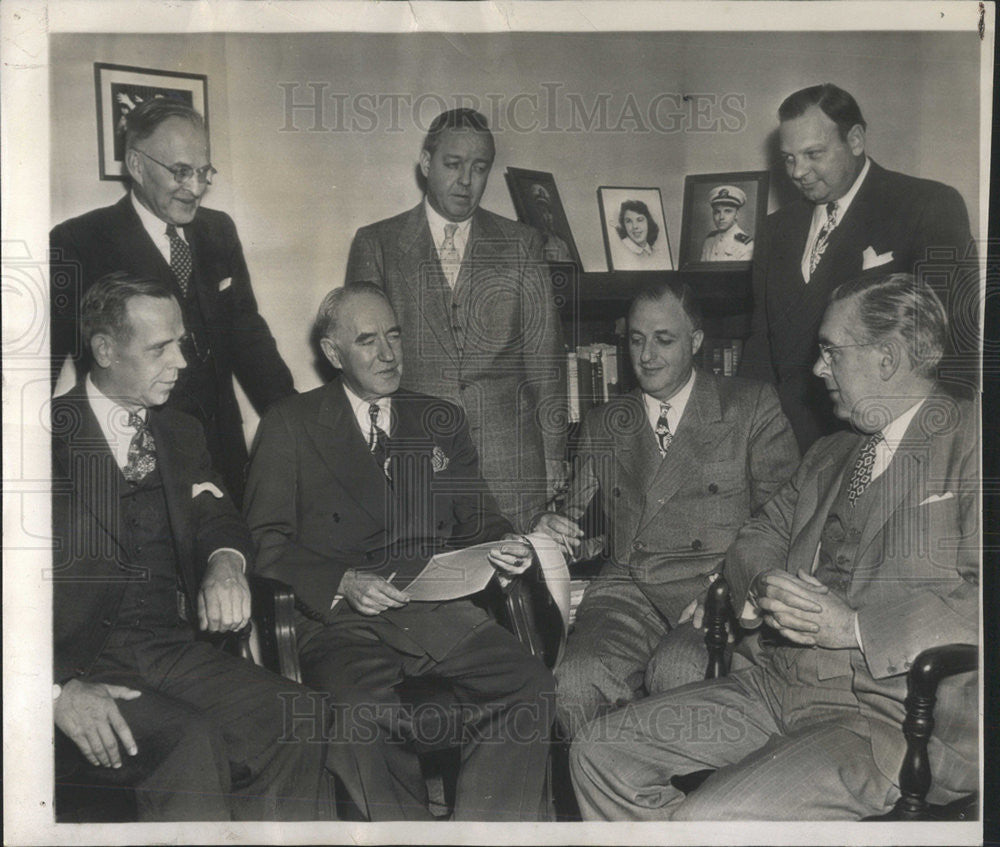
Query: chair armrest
pixel 531 614
pixel 717 614
pixel 273 610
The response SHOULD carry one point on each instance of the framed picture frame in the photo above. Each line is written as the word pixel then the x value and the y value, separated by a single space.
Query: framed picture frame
pixel 722 214
pixel 634 229
pixel 120 88
pixel 537 203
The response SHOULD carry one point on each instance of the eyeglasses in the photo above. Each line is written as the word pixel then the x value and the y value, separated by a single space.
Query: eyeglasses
pixel 182 173
pixel 826 351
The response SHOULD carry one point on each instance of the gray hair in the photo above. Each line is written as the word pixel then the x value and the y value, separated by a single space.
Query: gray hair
pixel 329 310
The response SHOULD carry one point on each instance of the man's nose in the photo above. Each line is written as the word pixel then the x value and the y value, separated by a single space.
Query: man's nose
pixel 820 367
pixel 385 351
pixel 798 168
pixel 465 175
pixel 179 361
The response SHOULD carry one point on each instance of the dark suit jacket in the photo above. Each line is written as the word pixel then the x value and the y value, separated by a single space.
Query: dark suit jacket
pixel 91 567
pixel 671 519
pixel 318 504
pixel 113 239
pixel 494 347
pixel 914 581
pixel 893 216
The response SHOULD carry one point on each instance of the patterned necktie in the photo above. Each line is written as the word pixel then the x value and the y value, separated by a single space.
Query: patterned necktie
pixel 823 237
pixel 141 451
pixel 862 476
pixel 180 259
pixel 378 441
pixel 663 434
pixel 451 262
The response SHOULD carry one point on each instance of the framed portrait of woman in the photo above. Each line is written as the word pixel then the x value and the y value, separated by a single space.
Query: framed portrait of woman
pixel 722 213
pixel 635 231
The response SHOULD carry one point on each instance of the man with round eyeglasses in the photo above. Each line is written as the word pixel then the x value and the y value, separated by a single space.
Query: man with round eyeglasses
pixel 159 230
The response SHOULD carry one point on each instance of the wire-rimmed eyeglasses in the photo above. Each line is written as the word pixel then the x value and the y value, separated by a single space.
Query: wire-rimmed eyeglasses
pixel 182 173
pixel 826 351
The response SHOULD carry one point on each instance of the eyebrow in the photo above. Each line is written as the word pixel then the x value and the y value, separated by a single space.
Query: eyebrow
pixel 364 336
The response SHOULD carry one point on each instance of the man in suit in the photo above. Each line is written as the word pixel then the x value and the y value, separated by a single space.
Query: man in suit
pixel 147 548
pixel 352 488
pixel 158 230
pixel 472 290
pixel 868 556
pixel 853 217
pixel 678 465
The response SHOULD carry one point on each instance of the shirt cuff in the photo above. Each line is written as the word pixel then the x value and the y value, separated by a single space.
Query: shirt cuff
pixel 857 633
pixel 243 559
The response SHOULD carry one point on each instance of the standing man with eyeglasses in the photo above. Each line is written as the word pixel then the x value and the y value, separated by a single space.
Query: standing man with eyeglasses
pixel 158 230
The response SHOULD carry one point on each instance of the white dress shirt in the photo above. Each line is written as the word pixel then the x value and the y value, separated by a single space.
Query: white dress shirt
pixel 361 415
pixel 437 223
pixel 156 228
pixel 678 403
pixel 819 216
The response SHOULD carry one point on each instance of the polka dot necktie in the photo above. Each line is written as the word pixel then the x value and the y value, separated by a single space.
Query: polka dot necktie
pixel 823 237
pixel 861 477
pixel 141 451
pixel 180 259
pixel 451 262
pixel 663 434
pixel 378 441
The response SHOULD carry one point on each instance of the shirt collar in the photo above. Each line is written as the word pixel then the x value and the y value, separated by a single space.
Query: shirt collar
pixel 437 223
pixel 156 228
pixel 894 432
pixel 113 420
pixel 844 203
pixel 360 409
pixel 678 403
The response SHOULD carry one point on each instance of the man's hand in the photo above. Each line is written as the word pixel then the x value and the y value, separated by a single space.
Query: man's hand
pixel 556 477
pixel 512 557
pixel 563 531
pixel 695 610
pixel 804 610
pixel 88 714
pixel 224 598
pixel 369 593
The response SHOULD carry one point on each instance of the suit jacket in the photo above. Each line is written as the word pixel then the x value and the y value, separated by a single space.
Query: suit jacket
pixel 894 217
pixel 91 566
pixel 110 239
pixel 494 346
pixel 914 582
pixel 318 504
pixel 672 519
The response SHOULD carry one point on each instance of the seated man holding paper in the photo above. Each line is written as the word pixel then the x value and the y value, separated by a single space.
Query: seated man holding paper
pixel 352 488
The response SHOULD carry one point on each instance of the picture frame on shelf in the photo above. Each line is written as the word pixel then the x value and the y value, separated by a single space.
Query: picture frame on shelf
pixel 537 203
pixel 120 88
pixel 634 229
pixel 723 213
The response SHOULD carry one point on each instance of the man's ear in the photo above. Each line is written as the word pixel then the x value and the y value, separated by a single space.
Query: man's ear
pixel 856 140
pixel 697 337
pixel 102 346
pixel 331 352
pixel 133 163
pixel 891 355
pixel 425 163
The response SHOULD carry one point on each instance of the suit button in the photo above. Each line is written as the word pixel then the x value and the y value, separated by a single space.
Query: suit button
pixel 79 672
pixel 842 560
pixel 637 545
pixel 440 524
pixel 713 488
pixel 106 623
pixel 336 517
pixel 616 492
pixel 463 385
pixel 696 544
pixel 891 668
pixel 661 501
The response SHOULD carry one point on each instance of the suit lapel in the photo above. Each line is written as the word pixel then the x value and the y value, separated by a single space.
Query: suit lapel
pixel 637 452
pixel 827 480
pixel 133 243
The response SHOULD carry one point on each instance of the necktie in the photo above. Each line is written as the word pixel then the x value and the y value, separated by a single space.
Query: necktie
pixel 663 434
pixel 862 475
pixel 141 451
pixel 451 262
pixel 180 259
pixel 378 441
pixel 823 236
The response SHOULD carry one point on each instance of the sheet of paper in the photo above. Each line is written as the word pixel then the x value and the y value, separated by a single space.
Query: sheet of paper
pixel 448 576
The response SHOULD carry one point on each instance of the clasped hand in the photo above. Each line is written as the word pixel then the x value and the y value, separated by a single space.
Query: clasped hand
pixel 804 610
pixel 563 531
pixel 511 558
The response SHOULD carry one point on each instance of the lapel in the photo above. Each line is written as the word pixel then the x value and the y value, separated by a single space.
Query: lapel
pixel 816 501
pixel 636 449
pixel 340 444
pixel 484 248
pixel 197 241
pixel 793 240
pixel 130 240
pixel 700 430
pixel 426 284
pixel 410 450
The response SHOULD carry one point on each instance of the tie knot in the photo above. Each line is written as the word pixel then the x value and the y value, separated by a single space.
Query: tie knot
pixel 373 413
pixel 171 231
pixel 664 408
pixel 831 209
pixel 135 420
pixel 449 231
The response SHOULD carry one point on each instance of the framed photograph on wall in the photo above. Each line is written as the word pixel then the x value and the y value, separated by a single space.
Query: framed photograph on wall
pixel 120 89
pixel 722 213
pixel 635 232
pixel 537 203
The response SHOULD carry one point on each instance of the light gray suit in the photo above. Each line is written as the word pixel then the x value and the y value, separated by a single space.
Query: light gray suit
pixel 814 733
pixel 669 523
pixel 493 345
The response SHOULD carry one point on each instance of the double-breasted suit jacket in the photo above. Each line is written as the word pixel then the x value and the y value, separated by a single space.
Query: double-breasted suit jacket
pixel 318 504
pixel 895 224
pixel 493 345
pixel 671 519
pixel 914 581
pixel 234 338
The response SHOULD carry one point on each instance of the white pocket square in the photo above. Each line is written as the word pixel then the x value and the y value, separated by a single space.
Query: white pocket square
pixel 871 259
pixel 202 487
pixel 937 498
pixel 229 281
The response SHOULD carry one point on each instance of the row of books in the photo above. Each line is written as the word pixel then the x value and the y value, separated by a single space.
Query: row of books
pixel 597 372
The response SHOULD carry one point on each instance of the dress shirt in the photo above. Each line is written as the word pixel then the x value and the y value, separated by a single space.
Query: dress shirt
pixel 437 224
pixel 360 409
pixel 156 228
pixel 678 403
pixel 819 216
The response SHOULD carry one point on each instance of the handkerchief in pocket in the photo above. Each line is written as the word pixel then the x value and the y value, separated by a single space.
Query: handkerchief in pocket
pixel 937 498
pixel 229 281
pixel 870 259
pixel 202 487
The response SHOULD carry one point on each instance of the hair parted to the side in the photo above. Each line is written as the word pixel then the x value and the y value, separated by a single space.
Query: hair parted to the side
pixel 143 120
pixel 838 105
pixel 652 227
pixel 328 313
pixel 103 309
pixel 899 305
pixel 461 119
pixel 679 290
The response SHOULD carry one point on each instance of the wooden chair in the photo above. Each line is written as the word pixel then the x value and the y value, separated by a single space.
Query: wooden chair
pixel 928 670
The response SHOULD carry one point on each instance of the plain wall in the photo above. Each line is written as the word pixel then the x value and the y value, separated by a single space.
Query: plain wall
pixel 298 195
